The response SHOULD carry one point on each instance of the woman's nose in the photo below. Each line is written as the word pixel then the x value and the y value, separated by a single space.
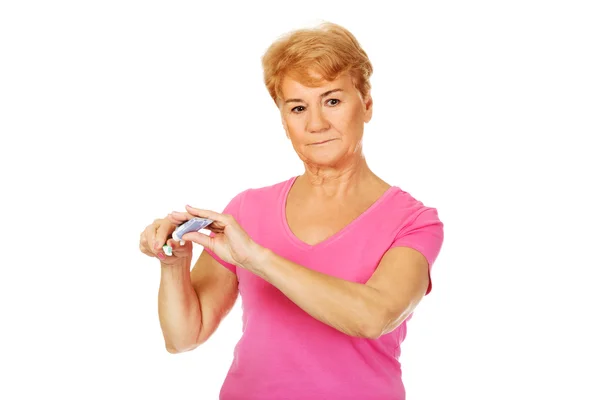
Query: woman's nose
pixel 316 121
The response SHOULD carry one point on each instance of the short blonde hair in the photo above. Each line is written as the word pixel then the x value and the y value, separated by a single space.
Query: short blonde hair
pixel 327 50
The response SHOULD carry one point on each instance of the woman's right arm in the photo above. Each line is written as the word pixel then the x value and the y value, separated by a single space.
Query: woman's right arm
pixel 192 304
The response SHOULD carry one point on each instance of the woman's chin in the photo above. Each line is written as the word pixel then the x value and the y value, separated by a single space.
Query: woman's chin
pixel 324 159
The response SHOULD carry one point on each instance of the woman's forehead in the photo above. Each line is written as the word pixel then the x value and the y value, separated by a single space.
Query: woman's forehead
pixel 292 87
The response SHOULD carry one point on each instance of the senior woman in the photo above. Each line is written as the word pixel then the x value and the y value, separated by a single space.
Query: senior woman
pixel 330 264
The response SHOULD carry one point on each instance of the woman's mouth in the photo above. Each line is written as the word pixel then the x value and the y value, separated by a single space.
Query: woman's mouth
pixel 321 142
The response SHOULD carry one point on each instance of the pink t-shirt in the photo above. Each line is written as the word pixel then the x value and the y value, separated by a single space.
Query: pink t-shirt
pixel 284 353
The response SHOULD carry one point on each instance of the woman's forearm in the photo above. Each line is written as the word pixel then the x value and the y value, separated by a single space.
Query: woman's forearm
pixel 178 308
pixel 352 308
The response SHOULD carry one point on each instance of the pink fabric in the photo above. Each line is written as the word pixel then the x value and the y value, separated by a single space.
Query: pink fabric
pixel 284 353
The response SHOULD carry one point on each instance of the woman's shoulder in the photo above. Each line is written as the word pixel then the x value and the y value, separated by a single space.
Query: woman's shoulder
pixel 273 188
pixel 261 196
pixel 408 207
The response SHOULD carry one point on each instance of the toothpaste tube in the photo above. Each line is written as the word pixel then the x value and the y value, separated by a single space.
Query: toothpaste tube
pixel 193 225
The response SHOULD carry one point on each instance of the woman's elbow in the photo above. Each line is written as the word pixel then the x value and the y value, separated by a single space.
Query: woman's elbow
pixel 378 324
pixel 371 331
pixel 180 349
pixel 171 349
pixel 368 328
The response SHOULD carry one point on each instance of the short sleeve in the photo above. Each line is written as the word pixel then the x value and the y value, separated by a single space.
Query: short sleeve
pixel 425 234
pixel 233 208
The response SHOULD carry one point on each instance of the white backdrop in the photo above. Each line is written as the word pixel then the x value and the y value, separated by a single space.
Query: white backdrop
pixel 114 113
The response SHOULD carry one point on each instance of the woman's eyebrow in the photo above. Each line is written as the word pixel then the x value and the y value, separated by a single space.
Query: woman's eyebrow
pixel 327 93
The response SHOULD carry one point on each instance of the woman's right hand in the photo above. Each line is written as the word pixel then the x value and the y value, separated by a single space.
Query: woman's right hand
pixel 156 235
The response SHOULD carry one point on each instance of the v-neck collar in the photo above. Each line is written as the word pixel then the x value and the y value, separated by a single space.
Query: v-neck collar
pixel 305 246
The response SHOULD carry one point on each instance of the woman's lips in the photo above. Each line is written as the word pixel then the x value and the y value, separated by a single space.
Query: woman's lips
pixel 322 142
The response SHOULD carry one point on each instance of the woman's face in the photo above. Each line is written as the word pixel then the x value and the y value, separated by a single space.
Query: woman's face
pixel 325 123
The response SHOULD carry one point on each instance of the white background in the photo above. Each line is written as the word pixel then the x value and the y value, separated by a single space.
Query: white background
pixel 114 113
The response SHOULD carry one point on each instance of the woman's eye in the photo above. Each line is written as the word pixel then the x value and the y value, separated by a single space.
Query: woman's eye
pixel 333 102
pixel 298 109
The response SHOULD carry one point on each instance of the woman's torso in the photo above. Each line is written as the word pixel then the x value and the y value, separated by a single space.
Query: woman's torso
pixel 285 352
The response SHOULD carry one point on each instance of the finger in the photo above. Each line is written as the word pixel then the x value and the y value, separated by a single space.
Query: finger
pixel 144 247
pixel 175 244
pixel 144 250
pixel 179 218
pixel 143 240
pixel 147 238
pixel 200 238
pixel 162 233
pixel 215 216
pixel 178 248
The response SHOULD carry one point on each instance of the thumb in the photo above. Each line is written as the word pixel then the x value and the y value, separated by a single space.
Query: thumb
pixel 200 238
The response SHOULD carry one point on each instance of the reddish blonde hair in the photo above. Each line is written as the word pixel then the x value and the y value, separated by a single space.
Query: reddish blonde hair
pixel 326 51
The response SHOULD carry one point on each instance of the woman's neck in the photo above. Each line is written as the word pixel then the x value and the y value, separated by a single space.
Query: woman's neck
pixel 334 182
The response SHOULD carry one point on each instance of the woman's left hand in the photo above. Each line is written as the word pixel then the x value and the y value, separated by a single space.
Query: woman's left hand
pixel 230 242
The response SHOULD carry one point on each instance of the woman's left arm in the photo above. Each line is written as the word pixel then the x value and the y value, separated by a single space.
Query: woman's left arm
pixel 363 310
